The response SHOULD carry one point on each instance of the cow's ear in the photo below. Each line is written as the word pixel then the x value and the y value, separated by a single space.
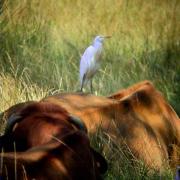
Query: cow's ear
pixel 101 162
pixel 31 156
pixel 24 161
pixel 19 160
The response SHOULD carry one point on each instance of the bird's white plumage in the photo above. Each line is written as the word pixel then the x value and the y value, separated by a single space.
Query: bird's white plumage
pixel 90 61
pixel 88 64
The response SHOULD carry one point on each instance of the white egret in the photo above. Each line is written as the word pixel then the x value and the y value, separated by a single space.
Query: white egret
pixel 90 61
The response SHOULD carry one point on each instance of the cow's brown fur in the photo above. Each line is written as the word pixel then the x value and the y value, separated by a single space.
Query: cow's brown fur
pixel 139 115
pixel 40 124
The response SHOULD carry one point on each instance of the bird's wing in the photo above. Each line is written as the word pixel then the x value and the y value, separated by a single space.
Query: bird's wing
pixel 85 60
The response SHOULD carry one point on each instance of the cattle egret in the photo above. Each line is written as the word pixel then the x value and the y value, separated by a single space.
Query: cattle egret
pixel 90 61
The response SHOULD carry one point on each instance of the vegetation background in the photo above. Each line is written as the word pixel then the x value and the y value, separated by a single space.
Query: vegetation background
pixel 41 42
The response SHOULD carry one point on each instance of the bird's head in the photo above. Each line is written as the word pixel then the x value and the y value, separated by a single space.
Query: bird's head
pixel 100 38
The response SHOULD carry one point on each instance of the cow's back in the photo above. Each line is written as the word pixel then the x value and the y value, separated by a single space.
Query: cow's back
pixel 139 116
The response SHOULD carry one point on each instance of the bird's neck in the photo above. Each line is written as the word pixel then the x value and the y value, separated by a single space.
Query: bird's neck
pixel 97 45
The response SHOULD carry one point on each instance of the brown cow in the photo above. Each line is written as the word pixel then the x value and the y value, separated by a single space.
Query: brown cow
pixel 49 144
pixel 138 116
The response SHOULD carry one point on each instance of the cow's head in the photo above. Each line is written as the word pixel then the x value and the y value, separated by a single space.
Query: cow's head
pixel 46 134
pixel 34 123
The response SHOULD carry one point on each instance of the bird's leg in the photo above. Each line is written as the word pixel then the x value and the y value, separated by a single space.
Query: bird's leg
pixel 83 80
pixel 91 86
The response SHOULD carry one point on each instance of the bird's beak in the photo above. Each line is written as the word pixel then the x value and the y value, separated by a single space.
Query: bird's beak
pixel 107 36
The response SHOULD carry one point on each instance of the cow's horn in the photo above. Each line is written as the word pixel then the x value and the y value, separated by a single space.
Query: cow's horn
pixel 11 121
pixel 78 123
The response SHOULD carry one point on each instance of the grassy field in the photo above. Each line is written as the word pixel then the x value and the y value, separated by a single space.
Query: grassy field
pixel 41 43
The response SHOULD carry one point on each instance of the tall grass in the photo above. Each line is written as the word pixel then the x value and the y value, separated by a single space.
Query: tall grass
pixel 41 43
pixel 122 164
